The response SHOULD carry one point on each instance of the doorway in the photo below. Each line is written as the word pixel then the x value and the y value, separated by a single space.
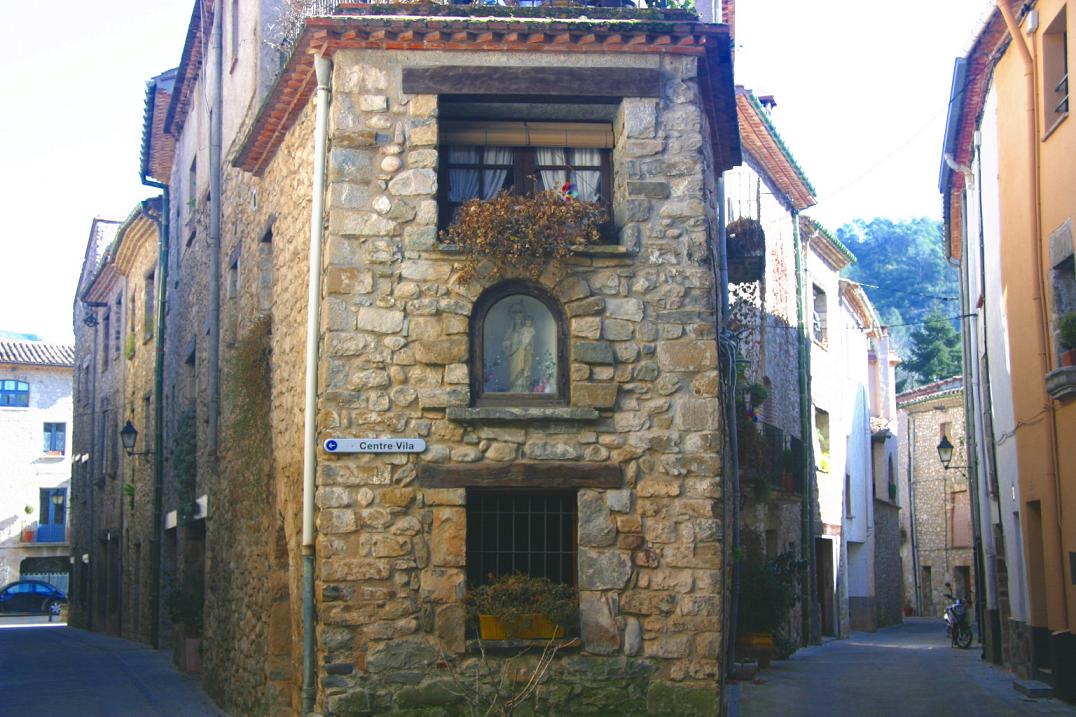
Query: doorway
pixel 824 585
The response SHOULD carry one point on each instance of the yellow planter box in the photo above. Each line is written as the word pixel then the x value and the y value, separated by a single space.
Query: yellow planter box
pixel 529 627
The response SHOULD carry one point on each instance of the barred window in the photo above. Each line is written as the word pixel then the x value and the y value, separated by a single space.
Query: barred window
pixel 530 532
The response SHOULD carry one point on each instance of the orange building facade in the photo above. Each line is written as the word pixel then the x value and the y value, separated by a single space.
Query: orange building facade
pixel 1007 177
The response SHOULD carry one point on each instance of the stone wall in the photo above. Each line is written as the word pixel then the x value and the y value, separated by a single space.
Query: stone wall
pixel 888 582
pixel 139 359
pixel 391 549
pixel 932 487
pixel 252 661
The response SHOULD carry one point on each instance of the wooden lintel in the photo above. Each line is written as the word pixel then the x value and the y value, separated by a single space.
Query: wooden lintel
pixel 551 474
pixel 464 80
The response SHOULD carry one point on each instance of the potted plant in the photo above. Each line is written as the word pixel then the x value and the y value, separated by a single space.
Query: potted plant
pixel 746 247
pixel 28 528
pixel 184 605
pixel 757 394
pixel 512 230
pixel 521 607
pixel 768 592
pixel 1066 330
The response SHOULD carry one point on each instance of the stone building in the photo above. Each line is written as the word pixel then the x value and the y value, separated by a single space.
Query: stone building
pixel 939 520
pixel 35 450
pixel 112 525
pixel 763 197
pixel 612 422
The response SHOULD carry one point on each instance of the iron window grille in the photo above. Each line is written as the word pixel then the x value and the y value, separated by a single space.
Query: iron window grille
pixel 529 532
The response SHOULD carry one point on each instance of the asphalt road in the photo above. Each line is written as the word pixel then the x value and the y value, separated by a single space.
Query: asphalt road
pixel 903 671
pixel 57 671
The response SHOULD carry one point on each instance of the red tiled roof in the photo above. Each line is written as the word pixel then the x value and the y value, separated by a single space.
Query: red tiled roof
pixel 190 66
pixel 765 146
pixel 158 147
pixel 938 389
pixel 988 47
pixel 36 353
pixel 296 82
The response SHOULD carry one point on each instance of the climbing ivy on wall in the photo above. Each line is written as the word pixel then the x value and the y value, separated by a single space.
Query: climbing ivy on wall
pixel 185 463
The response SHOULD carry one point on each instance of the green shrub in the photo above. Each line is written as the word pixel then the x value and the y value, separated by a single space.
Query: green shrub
pixel 510 598
pixel 1066 327
pixel 768 592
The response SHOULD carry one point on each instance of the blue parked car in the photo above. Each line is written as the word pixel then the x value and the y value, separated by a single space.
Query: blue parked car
pixel 33 596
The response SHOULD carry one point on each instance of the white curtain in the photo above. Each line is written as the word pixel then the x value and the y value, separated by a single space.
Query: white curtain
pixel 588 181
pixel 493 179
pixel 462 182
pixel 552 178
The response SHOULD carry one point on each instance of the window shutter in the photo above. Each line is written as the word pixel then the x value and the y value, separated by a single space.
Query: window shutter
pixel 528 134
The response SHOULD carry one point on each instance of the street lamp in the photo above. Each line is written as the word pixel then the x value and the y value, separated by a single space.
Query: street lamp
pixel 945 451
pixel 128 435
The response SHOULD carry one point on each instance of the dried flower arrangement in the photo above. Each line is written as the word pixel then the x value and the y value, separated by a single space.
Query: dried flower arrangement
pixel 512 230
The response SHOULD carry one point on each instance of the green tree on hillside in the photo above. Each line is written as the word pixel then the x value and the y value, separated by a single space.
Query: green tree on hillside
pixel 935 350
pixel 903 268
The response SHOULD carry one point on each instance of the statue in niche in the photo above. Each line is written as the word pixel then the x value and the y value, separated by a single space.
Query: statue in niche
pixel 518 348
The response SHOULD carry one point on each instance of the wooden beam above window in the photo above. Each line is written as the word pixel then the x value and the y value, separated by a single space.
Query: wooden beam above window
pixel 541 81
pixel 552 474
pixel 527 134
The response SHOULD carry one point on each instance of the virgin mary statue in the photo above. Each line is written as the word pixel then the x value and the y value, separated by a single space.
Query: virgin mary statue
pixel 519 350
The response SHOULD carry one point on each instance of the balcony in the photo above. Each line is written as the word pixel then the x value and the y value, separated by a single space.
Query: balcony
pixel 47 533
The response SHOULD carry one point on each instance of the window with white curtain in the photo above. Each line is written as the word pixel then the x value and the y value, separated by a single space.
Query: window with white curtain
pixel 480 159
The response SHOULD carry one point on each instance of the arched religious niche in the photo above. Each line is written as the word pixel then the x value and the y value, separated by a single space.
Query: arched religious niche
pixel 518 339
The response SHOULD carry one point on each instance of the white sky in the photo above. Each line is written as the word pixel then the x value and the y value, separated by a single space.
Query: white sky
pixel 861 86
pixel 862 89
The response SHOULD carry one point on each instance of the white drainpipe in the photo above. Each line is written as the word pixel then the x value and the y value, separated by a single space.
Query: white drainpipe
pixel 323 67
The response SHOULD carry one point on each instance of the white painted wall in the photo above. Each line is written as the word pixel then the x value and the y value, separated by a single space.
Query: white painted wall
pixel 990 336
pixel 24 468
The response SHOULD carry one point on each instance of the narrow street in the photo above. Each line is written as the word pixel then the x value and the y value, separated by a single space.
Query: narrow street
pixel 51 669
pixel 902 671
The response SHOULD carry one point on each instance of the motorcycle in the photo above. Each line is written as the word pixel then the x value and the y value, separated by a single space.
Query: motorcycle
pixel 957 626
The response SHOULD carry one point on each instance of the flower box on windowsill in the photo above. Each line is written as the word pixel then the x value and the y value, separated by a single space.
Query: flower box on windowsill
pixel 1061 383
pixel 528 627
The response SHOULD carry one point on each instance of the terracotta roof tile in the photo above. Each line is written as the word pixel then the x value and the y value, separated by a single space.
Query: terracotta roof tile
pixel 761 140
pixel 938 389
pixel 36 353
pixel 370 30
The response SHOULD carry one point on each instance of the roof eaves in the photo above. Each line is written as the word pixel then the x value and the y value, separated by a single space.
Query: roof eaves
pixel 162 82
pixel 189 69
pixel 372 29
pixel 952 120
pixel 772 129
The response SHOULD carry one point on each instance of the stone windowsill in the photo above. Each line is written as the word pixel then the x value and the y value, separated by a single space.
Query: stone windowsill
pixel 514 646
pixel 599 250
pixel 494 414
pixel 1061 383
